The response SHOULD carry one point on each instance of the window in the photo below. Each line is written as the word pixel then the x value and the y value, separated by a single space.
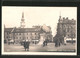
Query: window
pixel 67 30
pixel 31 33
pixel 23 33
pixel 35 37
pixel 7 36
pixel 19 33
pixel 35 33
pixel 68 35
pixel 20 37
pixel 17 37
pixel 7 32
pixel 26 33
pixel 14 33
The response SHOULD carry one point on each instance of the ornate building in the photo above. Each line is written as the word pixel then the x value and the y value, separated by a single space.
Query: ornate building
pixel 67 29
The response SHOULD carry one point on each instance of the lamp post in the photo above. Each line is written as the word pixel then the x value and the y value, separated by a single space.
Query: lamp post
pixel 72 34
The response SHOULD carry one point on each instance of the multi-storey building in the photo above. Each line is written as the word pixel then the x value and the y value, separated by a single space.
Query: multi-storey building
pixel 33 34
pixel 67 29
pixel 7 34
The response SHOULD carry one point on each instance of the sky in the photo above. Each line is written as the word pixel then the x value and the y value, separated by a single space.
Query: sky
pixel 11 16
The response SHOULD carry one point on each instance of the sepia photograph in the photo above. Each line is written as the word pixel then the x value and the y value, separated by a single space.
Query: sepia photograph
pixel 32 30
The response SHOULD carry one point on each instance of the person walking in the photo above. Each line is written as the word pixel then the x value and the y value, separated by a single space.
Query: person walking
pixel 46 41
pixel 43 43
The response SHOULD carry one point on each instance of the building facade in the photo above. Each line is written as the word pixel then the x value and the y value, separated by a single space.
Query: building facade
pixel 19 34
pixel 67 28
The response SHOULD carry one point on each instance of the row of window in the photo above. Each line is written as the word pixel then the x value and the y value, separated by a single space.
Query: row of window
pixel 68 30
pixel 70 35
pixel 26 33
pixel 7 33
pixel 24 37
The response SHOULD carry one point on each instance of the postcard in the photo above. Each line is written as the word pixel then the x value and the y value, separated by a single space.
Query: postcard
pixel 31 30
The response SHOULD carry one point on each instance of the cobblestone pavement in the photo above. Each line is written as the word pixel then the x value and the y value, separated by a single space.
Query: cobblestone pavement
pixel 38 48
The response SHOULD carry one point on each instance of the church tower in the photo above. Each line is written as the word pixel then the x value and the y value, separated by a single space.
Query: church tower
pixel 22 21
pixel 60 25
pixel 60 19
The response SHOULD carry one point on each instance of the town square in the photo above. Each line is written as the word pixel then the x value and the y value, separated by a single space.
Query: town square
pixel 50 30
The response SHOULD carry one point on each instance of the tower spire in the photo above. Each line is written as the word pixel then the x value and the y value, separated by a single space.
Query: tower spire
pixel 60 15
pixel 4 26
pixel 22 14
pixel 60 20
pixel 22 21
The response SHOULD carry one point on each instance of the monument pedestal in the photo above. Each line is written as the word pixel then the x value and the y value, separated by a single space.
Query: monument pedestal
pixel 42 38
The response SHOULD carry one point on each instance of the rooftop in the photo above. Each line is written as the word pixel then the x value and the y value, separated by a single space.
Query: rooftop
pixel 22 29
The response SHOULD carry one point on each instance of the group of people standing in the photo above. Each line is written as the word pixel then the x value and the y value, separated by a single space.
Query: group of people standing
pixel 45 42
pixel 58 40
pixel 26 44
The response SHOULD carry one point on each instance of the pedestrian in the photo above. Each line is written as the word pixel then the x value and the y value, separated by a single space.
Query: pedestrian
pixel 46 42
pixel 43 43
pixel 56 43
pixel 26 45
